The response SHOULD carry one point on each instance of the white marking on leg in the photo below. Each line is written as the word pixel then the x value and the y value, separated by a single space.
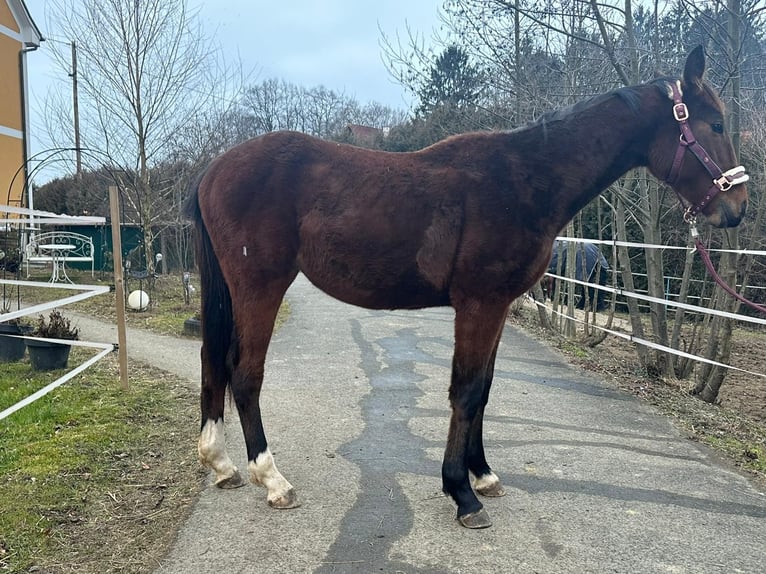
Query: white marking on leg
pixel 489 485
pixel 263 471
pixel 212 451
pixel 486 481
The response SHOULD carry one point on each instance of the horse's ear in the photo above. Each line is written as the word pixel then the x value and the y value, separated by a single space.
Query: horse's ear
pixel 694 68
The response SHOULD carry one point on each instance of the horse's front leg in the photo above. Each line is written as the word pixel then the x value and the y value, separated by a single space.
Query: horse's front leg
pixel 486 482
pixel 477 330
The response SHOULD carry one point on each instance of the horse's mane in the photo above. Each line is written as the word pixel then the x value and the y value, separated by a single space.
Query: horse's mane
pixel 629 95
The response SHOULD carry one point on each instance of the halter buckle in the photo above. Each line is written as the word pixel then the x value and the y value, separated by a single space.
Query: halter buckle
pixel 723 183
pixel 690 217
pixel 730 178
pixel 680 112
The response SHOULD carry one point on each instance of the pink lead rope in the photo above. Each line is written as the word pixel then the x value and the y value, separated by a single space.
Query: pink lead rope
pixel 717 278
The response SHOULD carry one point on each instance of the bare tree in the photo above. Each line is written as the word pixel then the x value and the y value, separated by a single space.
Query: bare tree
pixel 279 105
pixel 145 72
pixel 725 29
pixel 274 105
pixel 541 55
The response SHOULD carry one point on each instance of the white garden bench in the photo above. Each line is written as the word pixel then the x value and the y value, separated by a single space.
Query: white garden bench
pixel 59 248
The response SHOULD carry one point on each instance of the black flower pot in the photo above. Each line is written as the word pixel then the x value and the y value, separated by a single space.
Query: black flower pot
pixel 193 327
pixel 46 356
pixel 11 348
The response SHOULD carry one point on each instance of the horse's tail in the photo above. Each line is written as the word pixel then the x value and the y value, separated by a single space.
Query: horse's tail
pixel 216 316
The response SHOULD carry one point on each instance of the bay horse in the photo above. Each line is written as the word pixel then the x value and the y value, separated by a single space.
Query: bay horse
pixel 468 222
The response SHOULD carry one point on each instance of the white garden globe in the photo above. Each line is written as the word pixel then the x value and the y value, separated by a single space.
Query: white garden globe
pixel 138 300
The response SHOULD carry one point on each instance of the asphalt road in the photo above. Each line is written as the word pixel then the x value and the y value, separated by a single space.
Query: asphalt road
pixel 356 412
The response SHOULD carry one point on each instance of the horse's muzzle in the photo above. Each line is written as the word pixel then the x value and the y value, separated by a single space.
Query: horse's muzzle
pixel 727 218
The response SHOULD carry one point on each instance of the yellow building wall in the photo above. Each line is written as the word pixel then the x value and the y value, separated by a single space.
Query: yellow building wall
pixel 11 146
pixel 11 158
pixel 6 18
pixel 10 89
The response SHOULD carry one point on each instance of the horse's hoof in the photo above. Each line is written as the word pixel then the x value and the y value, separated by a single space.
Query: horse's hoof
pixel 285 501
pixel 475 520
pixel 492 490
pixel 231 482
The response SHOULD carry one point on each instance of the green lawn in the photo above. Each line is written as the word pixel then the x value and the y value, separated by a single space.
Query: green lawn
pixel 68 457
pixel 95 479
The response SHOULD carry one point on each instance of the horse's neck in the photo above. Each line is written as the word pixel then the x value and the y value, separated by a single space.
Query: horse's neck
pixel 578 155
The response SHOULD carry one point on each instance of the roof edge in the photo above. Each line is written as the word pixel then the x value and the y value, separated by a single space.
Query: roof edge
pixel 30 33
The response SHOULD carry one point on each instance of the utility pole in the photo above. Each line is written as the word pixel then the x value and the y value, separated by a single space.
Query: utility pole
pixel 76 108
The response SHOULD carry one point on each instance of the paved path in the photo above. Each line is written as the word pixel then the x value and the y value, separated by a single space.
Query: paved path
pixel 355 408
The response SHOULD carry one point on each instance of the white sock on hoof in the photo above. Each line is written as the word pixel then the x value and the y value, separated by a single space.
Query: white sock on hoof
pixel 212 450
pixel 263 471
pixel 486 481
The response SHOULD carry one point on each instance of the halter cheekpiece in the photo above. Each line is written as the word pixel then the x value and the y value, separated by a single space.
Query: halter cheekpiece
pixel 722 180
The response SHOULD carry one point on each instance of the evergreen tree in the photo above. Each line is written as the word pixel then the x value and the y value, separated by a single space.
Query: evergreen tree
pixel 453 82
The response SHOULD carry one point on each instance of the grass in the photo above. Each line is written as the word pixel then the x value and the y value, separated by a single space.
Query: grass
pixel 68 456
pixel 93 478
pixel 751 454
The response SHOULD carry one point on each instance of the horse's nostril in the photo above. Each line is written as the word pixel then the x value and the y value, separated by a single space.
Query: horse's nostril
pixel 730 217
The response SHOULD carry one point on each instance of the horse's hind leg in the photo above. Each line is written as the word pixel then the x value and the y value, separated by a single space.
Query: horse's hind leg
pixel 212 444
pixel 477 329
pixel 255 315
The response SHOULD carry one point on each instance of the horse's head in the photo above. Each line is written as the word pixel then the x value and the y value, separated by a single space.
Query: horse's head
pixel 700 166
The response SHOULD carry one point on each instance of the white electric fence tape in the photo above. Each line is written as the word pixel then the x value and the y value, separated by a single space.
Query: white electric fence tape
pixel 653 246
pixel 88 291
pixel 686 306
pixel 648 298
pixel 105 350
pixel 650 344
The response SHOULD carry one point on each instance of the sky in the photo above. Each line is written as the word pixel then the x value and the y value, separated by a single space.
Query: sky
pixel 335 43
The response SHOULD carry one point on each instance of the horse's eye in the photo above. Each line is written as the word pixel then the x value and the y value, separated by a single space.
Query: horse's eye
pixel 717 127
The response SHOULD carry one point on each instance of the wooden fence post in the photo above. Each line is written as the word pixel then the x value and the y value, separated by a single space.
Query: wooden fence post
pixel 119 284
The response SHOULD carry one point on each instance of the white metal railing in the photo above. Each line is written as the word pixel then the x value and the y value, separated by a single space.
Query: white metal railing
pixel 27 216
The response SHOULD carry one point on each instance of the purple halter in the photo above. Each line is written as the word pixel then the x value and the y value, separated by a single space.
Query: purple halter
pixel 722 181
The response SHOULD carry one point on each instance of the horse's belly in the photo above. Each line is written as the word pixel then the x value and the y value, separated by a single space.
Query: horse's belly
pixel 380 262
pixel 375 290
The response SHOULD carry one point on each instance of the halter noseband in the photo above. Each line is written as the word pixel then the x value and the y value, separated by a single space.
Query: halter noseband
pixel 722 181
